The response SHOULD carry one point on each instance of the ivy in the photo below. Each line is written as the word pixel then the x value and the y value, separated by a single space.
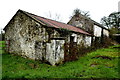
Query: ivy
pixel 64 32
pixel 49 30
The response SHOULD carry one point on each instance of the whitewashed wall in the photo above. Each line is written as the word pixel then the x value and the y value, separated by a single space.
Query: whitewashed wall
pixel 84 40
pixel 75 37
pixel 88 41
pixel 106 32
pixel 55 51
pixel 97 31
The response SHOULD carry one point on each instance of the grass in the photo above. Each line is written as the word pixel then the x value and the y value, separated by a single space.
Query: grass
pixel 88 66
pixel 2 45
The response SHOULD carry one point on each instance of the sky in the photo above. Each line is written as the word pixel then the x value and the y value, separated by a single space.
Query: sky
pixel 64 8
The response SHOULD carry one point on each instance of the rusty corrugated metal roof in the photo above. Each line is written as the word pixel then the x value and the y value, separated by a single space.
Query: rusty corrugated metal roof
pixel 56 24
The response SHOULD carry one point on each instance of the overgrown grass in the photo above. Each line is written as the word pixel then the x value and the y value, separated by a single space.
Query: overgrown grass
pixel 88 66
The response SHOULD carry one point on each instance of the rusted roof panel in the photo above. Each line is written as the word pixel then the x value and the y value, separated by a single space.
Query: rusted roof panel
pixel 56 24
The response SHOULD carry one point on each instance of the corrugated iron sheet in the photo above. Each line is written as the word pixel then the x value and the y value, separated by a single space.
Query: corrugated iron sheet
pixel 56 24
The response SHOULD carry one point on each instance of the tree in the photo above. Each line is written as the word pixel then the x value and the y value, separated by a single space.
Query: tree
pixel 113 23
pixel 105 21
pixel 113 20
pixel 77 12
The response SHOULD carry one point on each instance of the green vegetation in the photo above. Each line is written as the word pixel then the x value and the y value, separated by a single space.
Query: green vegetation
pixel 2 46
pixel 102 63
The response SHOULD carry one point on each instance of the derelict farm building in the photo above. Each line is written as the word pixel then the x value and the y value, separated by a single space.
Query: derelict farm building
pixel 97 30
pixel 43 39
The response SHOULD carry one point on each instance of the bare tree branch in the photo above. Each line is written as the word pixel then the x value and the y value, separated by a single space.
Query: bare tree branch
pixel 55 16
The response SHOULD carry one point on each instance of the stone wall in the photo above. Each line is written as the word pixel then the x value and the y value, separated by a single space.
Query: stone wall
pixel 30 39
pixel 84 40
pixel 82 22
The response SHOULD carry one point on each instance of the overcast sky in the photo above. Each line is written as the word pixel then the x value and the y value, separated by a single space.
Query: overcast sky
pixel 97 8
